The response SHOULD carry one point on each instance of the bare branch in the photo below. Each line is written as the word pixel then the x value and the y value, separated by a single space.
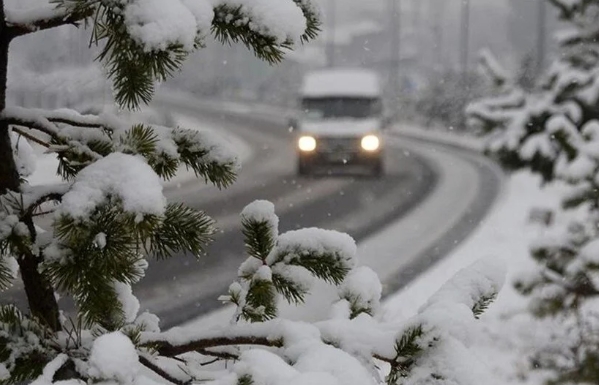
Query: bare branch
pixel 166 349
pixel 31 137
pixel 161 372
pixel 218 355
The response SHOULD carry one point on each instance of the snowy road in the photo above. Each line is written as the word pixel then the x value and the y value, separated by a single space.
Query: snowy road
pixel 442 191
pixel 431 198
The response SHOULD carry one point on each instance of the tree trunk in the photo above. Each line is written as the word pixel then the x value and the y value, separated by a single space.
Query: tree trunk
pixel 40 294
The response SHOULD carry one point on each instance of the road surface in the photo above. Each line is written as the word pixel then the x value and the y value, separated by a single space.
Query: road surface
pixel 183 288
pixel 430 199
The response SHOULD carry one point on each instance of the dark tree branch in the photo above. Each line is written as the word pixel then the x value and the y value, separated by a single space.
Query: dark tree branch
pixel 45 126
pixel 53 196
pixel 76 123
pixel 15 29
pixel 583 289
pixel 202 346
pixel 161 372
pixel 218 355
pixel 48 128
pixel 31 137
pixel 166 349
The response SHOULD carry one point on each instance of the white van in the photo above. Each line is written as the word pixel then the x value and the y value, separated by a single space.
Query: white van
pixel 340 121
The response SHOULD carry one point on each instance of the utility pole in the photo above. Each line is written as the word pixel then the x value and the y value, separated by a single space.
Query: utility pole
pixel 330 44
pixel 465 38
pixel 541 31
pixel 438 56
pixel 395 49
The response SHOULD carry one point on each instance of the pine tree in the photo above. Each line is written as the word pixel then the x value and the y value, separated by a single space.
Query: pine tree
pixel 553 131
pixel 106 229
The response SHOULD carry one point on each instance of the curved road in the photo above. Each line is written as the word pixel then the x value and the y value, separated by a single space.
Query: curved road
pixel 430 199
pixel 182 288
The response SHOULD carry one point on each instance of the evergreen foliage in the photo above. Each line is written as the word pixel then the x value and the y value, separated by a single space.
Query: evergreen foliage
pixel 552 131
pixel 109 218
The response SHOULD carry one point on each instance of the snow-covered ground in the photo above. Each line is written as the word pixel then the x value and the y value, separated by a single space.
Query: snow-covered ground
pixel 508 334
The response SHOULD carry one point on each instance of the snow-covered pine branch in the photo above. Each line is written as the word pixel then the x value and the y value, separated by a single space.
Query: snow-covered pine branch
pixel 110 219
pixel 554 132
pixel 410 348
pixel 492 69
pixel 158 38
pixel 45 15
pixel 79 140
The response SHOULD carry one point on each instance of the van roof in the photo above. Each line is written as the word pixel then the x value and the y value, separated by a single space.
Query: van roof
pixel 341 82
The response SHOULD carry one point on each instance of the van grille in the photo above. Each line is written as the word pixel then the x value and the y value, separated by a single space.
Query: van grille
pixel 338 144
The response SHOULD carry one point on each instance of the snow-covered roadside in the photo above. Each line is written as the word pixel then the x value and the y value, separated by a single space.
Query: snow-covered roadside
pixel 47 164
pixel 448 137
pixel 398 243
pixel 508 334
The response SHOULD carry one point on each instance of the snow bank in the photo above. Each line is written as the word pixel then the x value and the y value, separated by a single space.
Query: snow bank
pixel 506 331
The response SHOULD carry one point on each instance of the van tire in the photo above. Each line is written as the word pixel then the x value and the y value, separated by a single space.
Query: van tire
pixel 302 168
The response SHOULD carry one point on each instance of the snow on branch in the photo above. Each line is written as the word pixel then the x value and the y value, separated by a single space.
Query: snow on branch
pixel 29 118
pixel 492 69
pixel 125 176
pixel 42 16
pixel 473 286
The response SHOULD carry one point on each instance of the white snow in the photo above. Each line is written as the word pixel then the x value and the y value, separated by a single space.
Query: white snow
pixel 318 242
pixel 156 26
pixel 118 175
pixel 262 211
pixel 129 303
pixel 113 358
pixel 506 332
pixel 363 288
pixel 27 14
pixel 342 83
pixel 283 20
pixel 347 369
pixel 23 154
pixel 215 147
pixel 489 61
pixel 149 322
pixel 484 278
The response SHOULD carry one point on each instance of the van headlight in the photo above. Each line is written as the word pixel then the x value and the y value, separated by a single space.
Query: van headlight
pixel 306 143
pixel 370 143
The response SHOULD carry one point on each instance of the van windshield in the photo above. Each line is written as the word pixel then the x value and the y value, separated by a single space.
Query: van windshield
pixel 331 108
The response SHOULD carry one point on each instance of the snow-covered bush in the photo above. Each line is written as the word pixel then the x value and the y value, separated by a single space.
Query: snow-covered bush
pixel 444 98
pixel 554 131
pixel 109 219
